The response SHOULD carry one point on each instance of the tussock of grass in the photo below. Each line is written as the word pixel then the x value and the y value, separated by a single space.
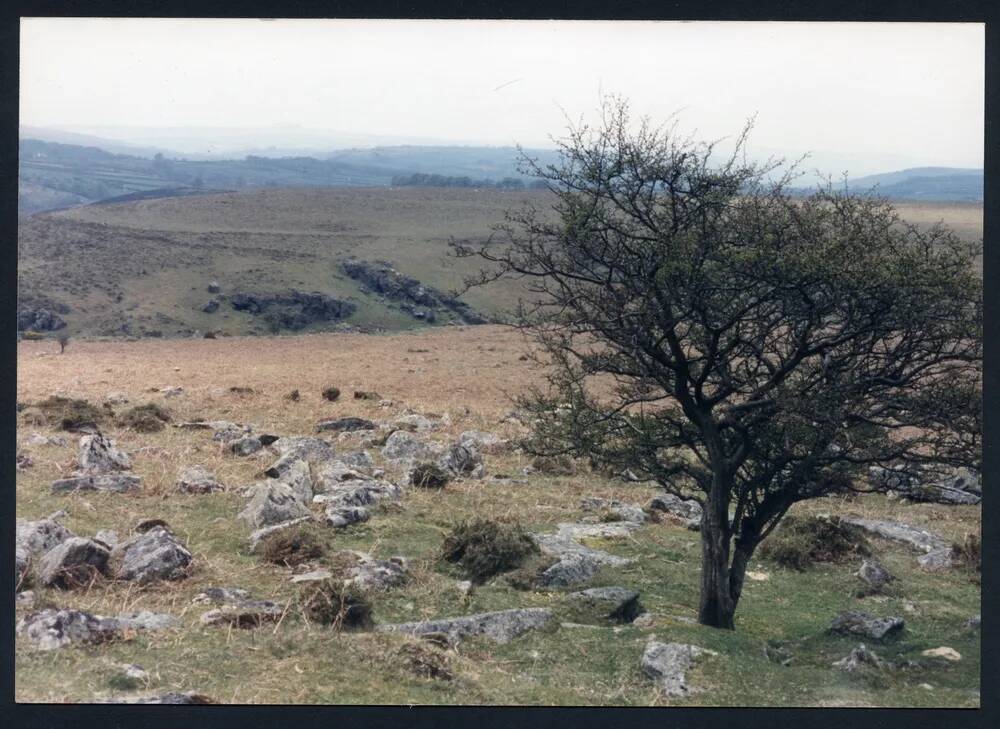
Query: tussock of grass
pixel 332 603
pixel 429 476
pixel 69 413
pixel 561 465
pixel 798 543
pixel 148 418
pixel 330 393
pixel 485 548
pixel 291 547
pixel 968 555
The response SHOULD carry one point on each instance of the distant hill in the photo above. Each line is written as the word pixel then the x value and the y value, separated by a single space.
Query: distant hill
pixel 930 184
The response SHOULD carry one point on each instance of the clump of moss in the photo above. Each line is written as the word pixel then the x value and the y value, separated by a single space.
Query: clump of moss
pixel 70 413
pixel 561 465
pixel 148 418
pixel 331 602
pixel 291 547
pixel 429 476
pixel 330 393
pixel 800 542
pixel 484 548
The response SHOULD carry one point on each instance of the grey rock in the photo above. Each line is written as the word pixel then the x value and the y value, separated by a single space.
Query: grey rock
pixel 107 537
pixel 959 486
pixel 577 563
pixel 118 483
pixel 197 480
pixel 938 559
pixel 298 477
pixel 73 563
pixel 373 574
pixel 151 556
pixel 51 629
pixel 401 446
pixel 347 424
pixel 98 455
pixel 668 664
pixel 501 627
pixel 461 459
pixel 312 576
pixel 292 450
pixel 623 510
pixel 415 422
pixel 37 439
pixel 273 502
pixel 23 462
pixel 358 460
pixel 25 599
pixel 603 530
pixel 38 537
pixel 260 534
pixel 874 575
pixel 172 391
pixel 146 620
pixel 484 442
pixel 245 446
pixel 359 493
pixel 687 510
pixel 920 539
pixel 339 517
pixel 221 595
pixel 330 475
pixel 854 622
pixel 116 398
pixel 614 604
pixel 213 287
pixel 171 697
pixel 859 659
pixel 211 306
pixel 244 614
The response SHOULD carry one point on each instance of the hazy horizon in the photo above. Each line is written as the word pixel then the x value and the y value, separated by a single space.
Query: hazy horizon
pixel 860 97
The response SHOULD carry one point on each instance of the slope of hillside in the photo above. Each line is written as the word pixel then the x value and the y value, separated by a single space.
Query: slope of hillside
pixel 926 183
pixel 144 267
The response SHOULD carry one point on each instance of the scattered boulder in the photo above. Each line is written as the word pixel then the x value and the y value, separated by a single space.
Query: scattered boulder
pixel 119 483
pixel 293 450
pixel 369 574
pixel 76 562
pixel 245 446
pixel 293 309
pixel 959 486
pixel 461 460
pixel 51 629
pixel 37 439
pixel 38 537
pixel 244 614
pixel 172 391
pixel 944 652
pixel 171 697
pixel 213 287
pixel 605 604
pixel 23 461
pixel 859 659
pixel 197 480
pixel 211 306
pixel 501 627
pixel 221 595
pixel 107 537
pixel 151 556
pixel 854 622
pixel 874 575
pixel 146 620
pixel 345 424
pixel 401 447
pixel 98 455
pixel 339 517
pixel 38 319
pixel 668 664
pixel 484 442
pixel 576 563
pixel 619 510
pixel 272 503
pixel 414 422
pixel 688 511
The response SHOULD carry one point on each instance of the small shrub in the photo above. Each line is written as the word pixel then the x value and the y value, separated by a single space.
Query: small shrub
pixel 68 413
pixel 485 548
pixel 293 396
pixel 291 547
pixel 423 660
pixel 429 476
pixel 561 465
pixel 241 390
pixel 330 393
pixel 798 543
pixel 63 340
pixel 148 418
pixel 332 603
pixel 366 395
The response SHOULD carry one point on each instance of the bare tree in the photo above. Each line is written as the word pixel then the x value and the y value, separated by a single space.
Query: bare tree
pixel 63 339
pixel 739 344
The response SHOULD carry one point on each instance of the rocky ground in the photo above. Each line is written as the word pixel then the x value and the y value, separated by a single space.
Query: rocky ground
pixel 142 544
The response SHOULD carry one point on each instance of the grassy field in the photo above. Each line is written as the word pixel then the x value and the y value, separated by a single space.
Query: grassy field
pixel 465 372
pixel 147 264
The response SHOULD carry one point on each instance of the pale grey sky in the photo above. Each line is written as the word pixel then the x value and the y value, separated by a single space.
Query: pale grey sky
pixel 869 95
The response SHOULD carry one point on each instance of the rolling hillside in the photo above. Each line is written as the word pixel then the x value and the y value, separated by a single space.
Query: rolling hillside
pixel 143 267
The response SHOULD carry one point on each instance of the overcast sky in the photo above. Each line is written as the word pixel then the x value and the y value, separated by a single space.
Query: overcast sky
pixel 869 94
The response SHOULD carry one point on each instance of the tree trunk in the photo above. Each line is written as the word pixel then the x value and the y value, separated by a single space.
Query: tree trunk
pixel 717 606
